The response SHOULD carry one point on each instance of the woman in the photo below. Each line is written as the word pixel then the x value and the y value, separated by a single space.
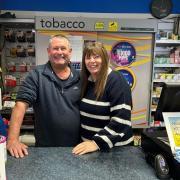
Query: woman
pixel 106 103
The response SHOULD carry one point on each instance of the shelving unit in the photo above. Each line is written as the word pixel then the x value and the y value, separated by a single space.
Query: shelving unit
pixel 166 64
pixel 17 59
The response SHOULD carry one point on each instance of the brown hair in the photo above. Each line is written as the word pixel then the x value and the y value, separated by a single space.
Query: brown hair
pixel 95 48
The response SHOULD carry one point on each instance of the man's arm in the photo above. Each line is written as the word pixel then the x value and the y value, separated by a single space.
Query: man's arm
pixel 14 146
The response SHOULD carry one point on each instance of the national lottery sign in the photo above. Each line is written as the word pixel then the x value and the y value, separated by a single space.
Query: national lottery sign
pixel 128 75
pixel 123 54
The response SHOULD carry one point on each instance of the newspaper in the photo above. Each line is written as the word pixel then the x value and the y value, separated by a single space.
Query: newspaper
pixel 172 123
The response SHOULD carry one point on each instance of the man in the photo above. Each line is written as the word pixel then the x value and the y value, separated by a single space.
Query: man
pixel 53 90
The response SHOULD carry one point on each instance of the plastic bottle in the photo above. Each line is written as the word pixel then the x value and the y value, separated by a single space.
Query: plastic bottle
pixel 3 157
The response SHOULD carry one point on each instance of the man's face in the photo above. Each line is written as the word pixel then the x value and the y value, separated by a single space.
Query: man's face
pixel 59 52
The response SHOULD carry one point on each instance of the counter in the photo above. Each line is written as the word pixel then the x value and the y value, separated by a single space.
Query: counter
pixel 122 163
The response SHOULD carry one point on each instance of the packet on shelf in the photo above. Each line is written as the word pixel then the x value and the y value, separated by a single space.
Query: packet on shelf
pixel 9 35
pixel 169 76
pixel 177 57
pixel 31 51
pixel 30 36
pixel 21 51
pixel 11 66
pixel 162 76
pixel 13 52
pixel 21 36
pixel 22 68
pixel 176 77
pixel 10 80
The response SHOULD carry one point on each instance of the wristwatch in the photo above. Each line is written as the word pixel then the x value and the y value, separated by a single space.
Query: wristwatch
pixel 161 8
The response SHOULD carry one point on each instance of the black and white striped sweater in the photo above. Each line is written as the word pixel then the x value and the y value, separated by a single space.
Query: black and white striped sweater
pixel 108 120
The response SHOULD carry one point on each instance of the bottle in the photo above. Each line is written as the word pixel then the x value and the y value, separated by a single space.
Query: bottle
pixel 3 157
pixel 3 152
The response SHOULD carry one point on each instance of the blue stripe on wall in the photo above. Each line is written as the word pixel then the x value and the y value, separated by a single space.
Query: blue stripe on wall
pixel 94 6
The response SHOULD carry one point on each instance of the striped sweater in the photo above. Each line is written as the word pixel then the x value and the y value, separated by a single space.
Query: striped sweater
pixel 107 121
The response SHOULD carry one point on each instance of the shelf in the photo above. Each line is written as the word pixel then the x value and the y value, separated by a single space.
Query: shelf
pixel 17 23
pixel 153 110
pixel 168 41
pixel 9 110
pixel 30 127
pixel 155 96
pixel 166 65
pixel 168 81
pixel 16 20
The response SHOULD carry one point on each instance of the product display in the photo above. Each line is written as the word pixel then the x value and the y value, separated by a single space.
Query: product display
pixel 19 56
pixel 166 63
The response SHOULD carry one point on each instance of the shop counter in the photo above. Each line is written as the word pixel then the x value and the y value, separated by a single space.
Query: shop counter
pixel 58 163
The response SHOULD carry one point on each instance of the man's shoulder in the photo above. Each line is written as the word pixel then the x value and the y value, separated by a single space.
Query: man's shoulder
pixel 40 68
pixel 37 71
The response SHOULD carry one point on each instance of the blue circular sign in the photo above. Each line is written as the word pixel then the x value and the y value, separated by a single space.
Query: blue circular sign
pixel 123 54
pixel 128 75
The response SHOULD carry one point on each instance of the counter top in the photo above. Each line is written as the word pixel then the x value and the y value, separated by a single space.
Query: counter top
pixel 121 163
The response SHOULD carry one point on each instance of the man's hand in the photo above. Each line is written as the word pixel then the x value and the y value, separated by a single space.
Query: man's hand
pixel 85 147
pixel 17 149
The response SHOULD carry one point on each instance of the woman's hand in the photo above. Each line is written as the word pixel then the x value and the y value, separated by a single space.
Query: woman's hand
pixel 85 147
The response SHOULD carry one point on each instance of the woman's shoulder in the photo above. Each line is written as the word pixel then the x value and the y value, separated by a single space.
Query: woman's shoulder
pixel 116 78
pixel 115 75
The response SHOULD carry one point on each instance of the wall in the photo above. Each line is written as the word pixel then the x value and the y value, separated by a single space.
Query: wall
pixel 92 6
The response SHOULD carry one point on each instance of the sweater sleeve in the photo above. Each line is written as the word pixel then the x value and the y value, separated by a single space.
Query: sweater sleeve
pixel 28 89
pixel 119 130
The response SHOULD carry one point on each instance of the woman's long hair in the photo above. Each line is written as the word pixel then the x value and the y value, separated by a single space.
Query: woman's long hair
pixel 95 48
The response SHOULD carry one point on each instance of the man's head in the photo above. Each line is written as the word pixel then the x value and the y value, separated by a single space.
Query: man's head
pixel 59 51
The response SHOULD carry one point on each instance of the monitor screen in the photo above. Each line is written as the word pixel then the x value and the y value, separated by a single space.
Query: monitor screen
pixel 169 100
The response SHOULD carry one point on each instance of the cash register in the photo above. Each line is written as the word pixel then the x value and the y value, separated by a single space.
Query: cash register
pixel 155 141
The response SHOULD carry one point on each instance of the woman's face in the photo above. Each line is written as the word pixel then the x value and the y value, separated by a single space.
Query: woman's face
pixel 93 64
